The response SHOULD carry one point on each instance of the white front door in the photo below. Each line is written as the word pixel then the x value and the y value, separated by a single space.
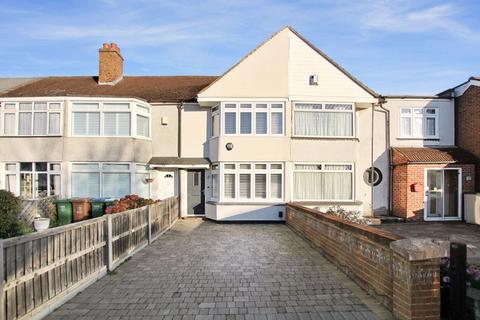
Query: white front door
pixel 443 194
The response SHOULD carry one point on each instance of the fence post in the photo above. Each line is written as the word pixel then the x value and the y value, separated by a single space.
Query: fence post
pixel 109 243
pixel 149 224
pixel 2 283
pixel 169 206
pixel 458 286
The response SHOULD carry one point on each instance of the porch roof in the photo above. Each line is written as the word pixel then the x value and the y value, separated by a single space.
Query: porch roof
pixel 406 155
pixel 177 162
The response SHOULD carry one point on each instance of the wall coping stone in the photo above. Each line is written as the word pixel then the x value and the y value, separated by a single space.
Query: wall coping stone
pixel 419 249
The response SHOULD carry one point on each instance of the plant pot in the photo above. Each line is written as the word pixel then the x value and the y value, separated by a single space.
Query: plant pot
pixel 41 224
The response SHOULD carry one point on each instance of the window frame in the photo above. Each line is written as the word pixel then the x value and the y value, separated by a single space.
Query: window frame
pixel 353 111
pixel 134 108
pixel 253 110
pixel 323 164
pixel 424 116
pixel 16 112
pixel 17 173
pixel 253 170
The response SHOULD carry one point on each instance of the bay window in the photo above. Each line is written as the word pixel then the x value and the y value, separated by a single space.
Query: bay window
pixel 109 180
pixel 323 182
pixel 247 182
pixel 324 120
pixel 110 119
pixel 250 119
pixel 419 123
pixel 39 118
pixel 33 180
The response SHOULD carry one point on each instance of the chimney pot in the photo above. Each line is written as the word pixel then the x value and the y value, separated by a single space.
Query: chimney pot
pixel 110 68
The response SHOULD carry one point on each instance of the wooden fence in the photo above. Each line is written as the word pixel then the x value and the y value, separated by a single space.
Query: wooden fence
pixel 41 271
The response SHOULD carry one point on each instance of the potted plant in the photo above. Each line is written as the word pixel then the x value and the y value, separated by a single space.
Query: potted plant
pixel 41 224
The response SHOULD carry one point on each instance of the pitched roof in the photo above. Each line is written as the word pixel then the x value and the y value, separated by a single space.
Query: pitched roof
pixel 404 155
pixel 320 52
pixel 8 84
pixel 150 88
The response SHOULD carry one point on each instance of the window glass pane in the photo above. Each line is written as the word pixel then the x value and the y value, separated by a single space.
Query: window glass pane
pixel 230 105
pixel 116 106
pixel 245 122
pixel 417 111
pixel 55 183
pixel 9 106
pixel 85 167
pixel 430 130
pixel 337 106
pixel 229 186
pixel 245 105
pixel 230 123
pixel 245 186
pixel 93 124
pixel 325 124
pixel 245 166
pixel 406 126
pixel 54 123
pixel 142 187
pixel 123 123
pixel 276 186
pixel 277 105
pixel 40 106
pixel 337 167
pixel 215 185
pixel 41 185
pixel 24 123
pixel 40 123
pixel 11 183
pixel 431 111
pixel 215 125
pixel 86 123
pixel 261 106
pixel 55 167
pixel 261 123
pixel 308 106
pixel 322 185
pixel 277 123
pixel 110 124
pixel 25 106
pixel 9 123
pixel 11 167
pixel 276 166
pixel 79 106
pixel 86 184
pixel 315 167
pixel 261 166
pixel 417 127
pixel 406 111
pixel 116 185
pixel 54 106
pixel 26 185
pixel 260 186
pixel 143 126
pixel 229 166
pixel 40 166
pixel 26 166
pixel 116 167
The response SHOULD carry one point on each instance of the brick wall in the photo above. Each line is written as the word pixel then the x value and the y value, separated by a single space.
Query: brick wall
pixel 408 203
pixel 110 67
pixel 400 274
pixel 467 124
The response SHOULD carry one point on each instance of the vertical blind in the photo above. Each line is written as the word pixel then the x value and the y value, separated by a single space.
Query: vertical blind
pixel 261 186
pixel 245 186
pixel 261 123
pixel 276 186
pixel 54 123
pixel 116 124
pixel 229 185
pixel 86 123
pixel 252 118
pixel 143 126
pixel 277 123
pixel 86 184
pixel 245 122
pixel 230 122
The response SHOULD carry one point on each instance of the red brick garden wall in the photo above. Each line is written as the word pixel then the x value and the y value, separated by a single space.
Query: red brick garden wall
pixel 409 203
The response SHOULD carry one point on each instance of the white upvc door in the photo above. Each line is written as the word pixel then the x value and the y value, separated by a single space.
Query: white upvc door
pixel 443 194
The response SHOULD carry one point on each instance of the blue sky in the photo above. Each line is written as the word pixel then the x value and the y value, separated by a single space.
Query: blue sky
pixel 394 46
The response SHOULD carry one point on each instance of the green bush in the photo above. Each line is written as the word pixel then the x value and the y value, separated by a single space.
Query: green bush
pixel 10 224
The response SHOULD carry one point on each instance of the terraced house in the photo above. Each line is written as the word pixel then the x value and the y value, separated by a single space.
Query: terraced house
pixel 285 124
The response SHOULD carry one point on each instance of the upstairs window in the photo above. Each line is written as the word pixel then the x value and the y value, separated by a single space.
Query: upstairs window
pixel 331 120
pixel 419 123
pixel 110 119
pixel 251 118
pixel 41 118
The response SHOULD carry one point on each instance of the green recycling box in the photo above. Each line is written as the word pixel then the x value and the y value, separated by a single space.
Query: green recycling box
pixel 64 211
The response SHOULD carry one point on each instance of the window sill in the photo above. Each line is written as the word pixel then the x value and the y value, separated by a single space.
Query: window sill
pixel 243 203
pixel 418 138
pixel 324 138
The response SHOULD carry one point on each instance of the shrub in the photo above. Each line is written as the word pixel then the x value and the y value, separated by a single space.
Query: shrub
pixel 127 203
pixel 348 215
pixel 10 224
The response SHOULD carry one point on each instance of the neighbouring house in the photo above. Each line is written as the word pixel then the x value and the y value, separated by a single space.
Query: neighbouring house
pixel 285 124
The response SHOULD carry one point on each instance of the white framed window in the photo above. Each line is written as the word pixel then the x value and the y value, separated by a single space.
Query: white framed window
pixel 419 123
pixel 323 182
pixel 33 180
pixel 215 122
pixel 324 120
pixel 109 179
pixel 251 118
pixel 110 119
pixel 247 182
pixel 36 118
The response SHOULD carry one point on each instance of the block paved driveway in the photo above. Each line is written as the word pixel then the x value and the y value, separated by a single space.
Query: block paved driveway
pixel 205 270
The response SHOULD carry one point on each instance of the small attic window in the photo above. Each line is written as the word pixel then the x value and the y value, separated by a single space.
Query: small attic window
pixel 313 80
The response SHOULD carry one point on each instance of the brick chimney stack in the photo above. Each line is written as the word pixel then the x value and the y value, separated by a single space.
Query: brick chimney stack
pixel 110 67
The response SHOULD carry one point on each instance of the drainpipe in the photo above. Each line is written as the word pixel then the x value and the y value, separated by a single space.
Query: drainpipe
pixel 179 137
pixel 381 101
pixel 372 171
